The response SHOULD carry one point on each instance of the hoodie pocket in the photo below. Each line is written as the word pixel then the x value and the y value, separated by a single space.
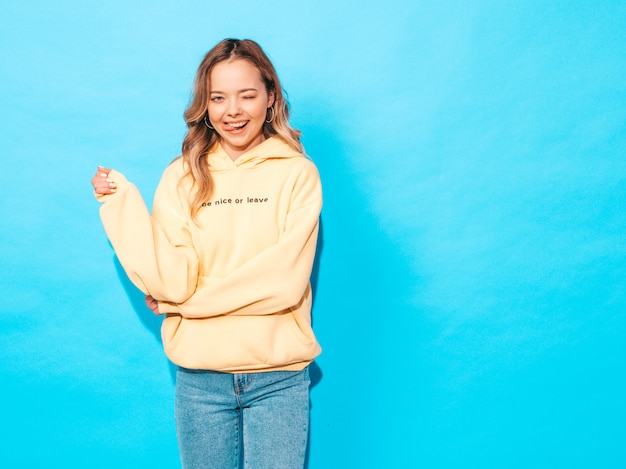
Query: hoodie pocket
pixel 234 343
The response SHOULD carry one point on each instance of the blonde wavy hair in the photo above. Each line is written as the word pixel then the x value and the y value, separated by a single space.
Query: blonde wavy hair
pixel 200 139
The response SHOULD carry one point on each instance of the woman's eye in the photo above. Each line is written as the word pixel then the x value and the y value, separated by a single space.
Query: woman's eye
pixel 249 97
pixel 216 99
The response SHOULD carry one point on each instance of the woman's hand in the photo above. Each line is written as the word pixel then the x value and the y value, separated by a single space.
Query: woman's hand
pixel 152 304
pixel 102 183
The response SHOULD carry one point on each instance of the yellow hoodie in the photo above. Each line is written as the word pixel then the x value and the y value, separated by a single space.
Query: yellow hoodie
pixel 234 283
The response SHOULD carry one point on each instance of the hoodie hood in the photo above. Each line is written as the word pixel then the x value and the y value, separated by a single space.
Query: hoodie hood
pixel 269 149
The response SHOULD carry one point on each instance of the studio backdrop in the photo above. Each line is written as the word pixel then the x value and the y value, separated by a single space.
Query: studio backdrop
pixel 470 291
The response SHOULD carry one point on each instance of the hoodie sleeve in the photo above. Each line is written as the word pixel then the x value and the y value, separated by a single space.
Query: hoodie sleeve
pixel 275 279
pixel 156 252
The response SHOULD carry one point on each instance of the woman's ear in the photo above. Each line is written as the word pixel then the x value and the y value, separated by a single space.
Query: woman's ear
pixel 270 99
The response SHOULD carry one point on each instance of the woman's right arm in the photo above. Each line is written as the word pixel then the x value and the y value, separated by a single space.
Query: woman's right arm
pixel 156 253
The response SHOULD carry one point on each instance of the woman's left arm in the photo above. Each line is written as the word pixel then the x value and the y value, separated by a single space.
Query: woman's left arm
pixel 275 279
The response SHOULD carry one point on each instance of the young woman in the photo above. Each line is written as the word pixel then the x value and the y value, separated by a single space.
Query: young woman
pixel 226 257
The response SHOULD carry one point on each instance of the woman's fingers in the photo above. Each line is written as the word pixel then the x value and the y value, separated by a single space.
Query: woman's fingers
pixel 149 301
pixel 152 304
pixel 102 183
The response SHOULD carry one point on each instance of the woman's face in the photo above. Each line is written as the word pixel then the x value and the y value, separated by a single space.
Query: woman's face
pixel 238 102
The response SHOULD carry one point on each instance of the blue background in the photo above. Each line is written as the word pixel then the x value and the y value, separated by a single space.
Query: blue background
pixel 470 291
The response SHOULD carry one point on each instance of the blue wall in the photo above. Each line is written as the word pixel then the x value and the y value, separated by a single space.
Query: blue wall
pixel 471 283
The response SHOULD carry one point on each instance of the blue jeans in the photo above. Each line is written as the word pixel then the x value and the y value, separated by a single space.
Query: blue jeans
pixel 272 409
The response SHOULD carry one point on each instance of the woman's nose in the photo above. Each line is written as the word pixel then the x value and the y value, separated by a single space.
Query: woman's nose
pixel 234 107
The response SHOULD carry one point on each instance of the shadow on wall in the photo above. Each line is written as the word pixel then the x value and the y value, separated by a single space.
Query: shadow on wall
pixel 315 372
pixel 149 320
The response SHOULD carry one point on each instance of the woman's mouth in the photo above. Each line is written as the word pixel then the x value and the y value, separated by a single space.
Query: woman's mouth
pixel 235 126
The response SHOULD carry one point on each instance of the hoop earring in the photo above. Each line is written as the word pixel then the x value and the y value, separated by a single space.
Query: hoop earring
pixel 206 123
pixel 271 108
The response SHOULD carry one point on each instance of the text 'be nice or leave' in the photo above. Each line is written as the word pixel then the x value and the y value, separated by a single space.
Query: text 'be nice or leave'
pixel 245 200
